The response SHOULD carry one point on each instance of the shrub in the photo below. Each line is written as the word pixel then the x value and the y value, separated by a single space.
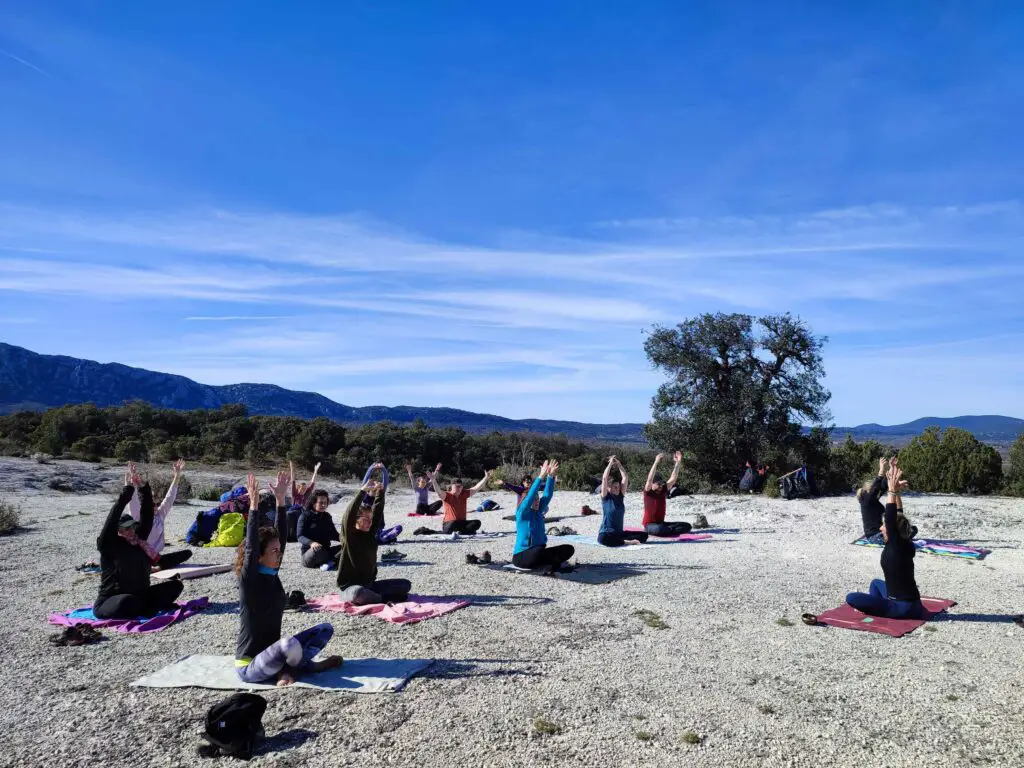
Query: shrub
pixel 211 491
pixel 951 462
pixel 131 450
pixel 1014 484
pixel 10 517
pixel 160 483
pixel 771 487
pixel 61 483
pixel 90 448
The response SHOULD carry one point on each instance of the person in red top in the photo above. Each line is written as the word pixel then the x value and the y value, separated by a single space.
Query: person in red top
pixel 455 500
pixel 656 500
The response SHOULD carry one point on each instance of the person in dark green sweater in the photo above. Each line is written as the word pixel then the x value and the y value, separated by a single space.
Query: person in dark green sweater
pixel 260 653
pixel 357 562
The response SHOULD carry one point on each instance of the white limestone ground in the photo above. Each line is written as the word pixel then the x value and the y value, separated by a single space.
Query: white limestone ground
pixel 534 652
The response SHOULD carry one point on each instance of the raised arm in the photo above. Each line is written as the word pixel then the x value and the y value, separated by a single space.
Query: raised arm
pixel 526 505
pixel 280 489
pixel 482 484
pixel 385 477
pixel 606 478
pixel 677 457
pixel 312 480
pixel 378 506
pixel 251 558
pixel 412 480
pixel 895 479
pixel 348 519
pixel 625 477
pixel 108 534
pixel 145 512
pixel 549 488
pixel 653 472
pixel 172 491
pixel 433 481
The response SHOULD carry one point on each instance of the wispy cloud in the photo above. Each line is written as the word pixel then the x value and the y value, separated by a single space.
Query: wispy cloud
pixel 28 64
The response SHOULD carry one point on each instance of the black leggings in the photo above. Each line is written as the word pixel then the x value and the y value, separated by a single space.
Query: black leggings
pixel 539 557
pixel 465 527
pixel 619 539
pixel 314 558
pixel 156 598
pixel 171 559
pixel 429 509
pixel 667 530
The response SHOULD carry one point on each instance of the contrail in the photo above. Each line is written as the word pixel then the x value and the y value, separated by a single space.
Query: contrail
pixel 28 64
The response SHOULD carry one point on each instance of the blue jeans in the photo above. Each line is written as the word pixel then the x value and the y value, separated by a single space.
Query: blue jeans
pixel 878 603
pixel 296 652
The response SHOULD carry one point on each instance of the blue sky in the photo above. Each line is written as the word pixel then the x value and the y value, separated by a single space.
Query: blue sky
pixel 483 205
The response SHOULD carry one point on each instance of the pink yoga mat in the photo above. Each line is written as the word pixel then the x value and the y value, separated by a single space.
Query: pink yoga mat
pixel 417 608
pixel 847 617
pixel 681 537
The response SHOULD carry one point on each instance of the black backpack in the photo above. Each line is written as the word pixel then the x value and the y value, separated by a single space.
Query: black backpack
pixel 235 726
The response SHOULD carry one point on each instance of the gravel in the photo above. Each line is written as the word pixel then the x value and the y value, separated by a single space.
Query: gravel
pixel 540 672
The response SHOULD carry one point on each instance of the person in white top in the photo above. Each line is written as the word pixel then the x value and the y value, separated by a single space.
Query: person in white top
pixel 156 537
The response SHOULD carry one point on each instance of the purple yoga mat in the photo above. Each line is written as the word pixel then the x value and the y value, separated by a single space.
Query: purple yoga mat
pixel 848 617
pixel 135 626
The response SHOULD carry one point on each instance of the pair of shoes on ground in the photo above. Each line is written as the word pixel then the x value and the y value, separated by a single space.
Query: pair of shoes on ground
pixel 586 510
pixel 91 567
pixel 296 601
pixel 565 530
pixel 78 634
pixel 392 556
pixel 483 559
pixel 700 522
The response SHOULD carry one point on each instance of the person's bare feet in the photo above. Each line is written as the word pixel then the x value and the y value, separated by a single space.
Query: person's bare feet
pixel 285 678
pixel 329 663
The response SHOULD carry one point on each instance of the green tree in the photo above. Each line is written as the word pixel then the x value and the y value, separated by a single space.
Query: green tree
pixel 1015 469
pixel 738 389
pixel 954 461
pixel 131 450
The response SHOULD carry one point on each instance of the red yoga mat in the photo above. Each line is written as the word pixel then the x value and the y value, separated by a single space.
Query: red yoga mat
pixel 847 617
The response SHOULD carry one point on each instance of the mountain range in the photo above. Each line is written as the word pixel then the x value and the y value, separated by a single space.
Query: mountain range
pixel 30 381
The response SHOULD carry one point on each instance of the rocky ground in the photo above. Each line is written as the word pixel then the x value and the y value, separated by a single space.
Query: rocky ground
pixel 540 672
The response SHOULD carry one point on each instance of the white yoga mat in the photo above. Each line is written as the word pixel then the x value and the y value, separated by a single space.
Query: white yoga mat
pixel 354 676
pixel 190 571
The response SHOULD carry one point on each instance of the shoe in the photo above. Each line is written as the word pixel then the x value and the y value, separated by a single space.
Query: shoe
pixel 328 567
pixel 554 530
pixel 485 558
pixel 392 555
pixel 701 522
pixel 586 510
pixel 295 600
pixel 422 532
pixel 472 559
pixel 454 536
pixel 567 531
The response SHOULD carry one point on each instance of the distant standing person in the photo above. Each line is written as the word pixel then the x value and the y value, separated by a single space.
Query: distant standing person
pixel 156 536
pixel 613 504
pixel 656 500
pixel 420 487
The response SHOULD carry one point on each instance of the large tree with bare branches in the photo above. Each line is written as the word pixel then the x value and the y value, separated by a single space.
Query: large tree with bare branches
pixel 740 389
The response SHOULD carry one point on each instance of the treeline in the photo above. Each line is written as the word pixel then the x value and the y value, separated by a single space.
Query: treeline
pixel 951 462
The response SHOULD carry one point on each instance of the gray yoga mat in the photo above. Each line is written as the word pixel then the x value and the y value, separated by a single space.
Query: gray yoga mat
pixel 354 676
pixel 190 571
pixel 587 573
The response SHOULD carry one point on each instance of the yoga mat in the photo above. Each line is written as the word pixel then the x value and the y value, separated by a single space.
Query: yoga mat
pixel 417 514
pixel 138 625
pixel 588 573
pixel 935 547
pixel 847 617
pixel 417 608
pixel 591 541
pixel 354 676
pixel 190 571
pixel 443 538
pixel 546 519
pixel 674 539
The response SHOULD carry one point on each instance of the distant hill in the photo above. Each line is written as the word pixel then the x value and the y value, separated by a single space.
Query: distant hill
pixel 30 381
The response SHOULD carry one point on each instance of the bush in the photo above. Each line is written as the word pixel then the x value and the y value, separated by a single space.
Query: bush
pixel 1014 484
pixel 10 517
pixel 131 450
pixel 62 483
pixel 211 491
pixel 89 448
pixel 951 462
pixel 160 483
pixel 771 487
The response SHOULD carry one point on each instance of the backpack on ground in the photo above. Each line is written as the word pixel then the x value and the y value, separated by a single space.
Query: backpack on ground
pixel 230 531
pixel 234 726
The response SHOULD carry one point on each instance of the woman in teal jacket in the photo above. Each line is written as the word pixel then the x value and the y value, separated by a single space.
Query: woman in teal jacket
pixel 531 550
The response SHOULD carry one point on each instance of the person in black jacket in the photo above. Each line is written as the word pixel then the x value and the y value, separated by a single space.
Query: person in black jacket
pixel 261 654
pixel 127 559
pixel 897 597
pixel 871 509
pixel 316 531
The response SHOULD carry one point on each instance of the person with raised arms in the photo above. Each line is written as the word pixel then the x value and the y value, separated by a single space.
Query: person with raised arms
pixel 656 493
pixel 302 492
pixel 897 596
pixel 613 504
pixel 127 559
pixel 357 560
pixel 421 487
pixel 260 653
pixel 156 536
pixel 531 550
pixel 455 500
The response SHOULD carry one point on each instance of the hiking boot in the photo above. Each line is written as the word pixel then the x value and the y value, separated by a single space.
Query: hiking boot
pixel 485 558
pixel 586 510
pixel 472 559
pixel 567 531
pixel 392 555
pixel 701 522
pixel 422 532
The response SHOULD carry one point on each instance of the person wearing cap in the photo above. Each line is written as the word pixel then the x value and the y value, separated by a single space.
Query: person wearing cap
pixel 455 500
pixel 127 559
pixel 656 500
pixel 261 654
pixel 357 560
